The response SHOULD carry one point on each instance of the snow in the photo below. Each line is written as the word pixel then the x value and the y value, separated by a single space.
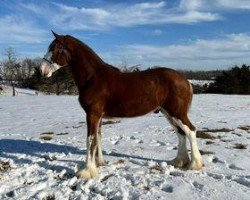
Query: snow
pixel 8 91
pixel 137 152
pixel 200 82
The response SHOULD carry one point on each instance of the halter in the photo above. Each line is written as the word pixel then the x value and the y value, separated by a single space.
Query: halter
pixel 60 51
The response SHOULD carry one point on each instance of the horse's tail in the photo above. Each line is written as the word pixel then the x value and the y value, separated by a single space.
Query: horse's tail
pixel 189 104
pixel 191 96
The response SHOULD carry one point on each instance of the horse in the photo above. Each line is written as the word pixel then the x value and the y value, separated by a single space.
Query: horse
pixel 106 92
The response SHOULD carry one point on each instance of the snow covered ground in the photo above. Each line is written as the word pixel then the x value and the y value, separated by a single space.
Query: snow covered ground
pixel 43 142
pixel 8 91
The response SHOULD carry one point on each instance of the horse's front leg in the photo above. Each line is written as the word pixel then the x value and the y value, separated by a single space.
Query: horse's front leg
pixel 99 159
pixel 91 169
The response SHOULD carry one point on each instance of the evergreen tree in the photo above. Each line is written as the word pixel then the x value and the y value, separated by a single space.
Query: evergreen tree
pixel 234 81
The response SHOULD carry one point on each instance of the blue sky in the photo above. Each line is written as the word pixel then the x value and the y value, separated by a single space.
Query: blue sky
pixel 182 34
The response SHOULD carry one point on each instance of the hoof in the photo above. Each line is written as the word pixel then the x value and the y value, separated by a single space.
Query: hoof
pixel 196 164
pixel 180 162
pixel 100 163
pixel 87 173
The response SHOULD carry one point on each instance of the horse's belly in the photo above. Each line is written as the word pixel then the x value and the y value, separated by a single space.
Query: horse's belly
pixel 131 107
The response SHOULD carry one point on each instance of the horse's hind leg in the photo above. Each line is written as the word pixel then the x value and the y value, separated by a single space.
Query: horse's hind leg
pixel 196 158
pixel 182 159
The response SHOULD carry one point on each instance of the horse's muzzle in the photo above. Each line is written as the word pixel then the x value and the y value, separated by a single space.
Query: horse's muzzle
pixel 45 69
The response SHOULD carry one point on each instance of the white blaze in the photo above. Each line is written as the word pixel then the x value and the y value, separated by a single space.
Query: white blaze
pixel 48 69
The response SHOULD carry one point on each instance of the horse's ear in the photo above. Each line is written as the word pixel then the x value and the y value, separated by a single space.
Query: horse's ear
pixel 55 34
pixel 58 37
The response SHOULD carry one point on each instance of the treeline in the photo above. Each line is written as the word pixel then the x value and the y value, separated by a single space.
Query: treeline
pixel 60 83
pixel 25 73
pixel 233 81
pixel 201 75
pixel 15 72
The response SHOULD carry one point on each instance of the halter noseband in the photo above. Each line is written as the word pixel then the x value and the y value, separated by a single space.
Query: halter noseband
pixel 60 51
pixel 49 61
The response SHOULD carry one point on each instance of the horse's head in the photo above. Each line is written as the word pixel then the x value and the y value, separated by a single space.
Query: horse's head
pixel 57 56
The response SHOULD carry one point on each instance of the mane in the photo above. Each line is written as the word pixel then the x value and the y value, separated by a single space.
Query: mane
pixel 87 48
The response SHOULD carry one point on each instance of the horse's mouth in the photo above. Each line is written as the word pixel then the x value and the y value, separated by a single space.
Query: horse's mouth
pixel 45 70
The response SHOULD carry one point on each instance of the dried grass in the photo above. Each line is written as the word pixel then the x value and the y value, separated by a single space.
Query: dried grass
pixel 206 152
pixel 204 135
pixel 218 130
pixel 156 168
pixel 46 137
pixel 47 133
pixel 62 133
pixel 108 122
pixel 240 146
pixel 209 142
pixel 244 127
pixel 4 166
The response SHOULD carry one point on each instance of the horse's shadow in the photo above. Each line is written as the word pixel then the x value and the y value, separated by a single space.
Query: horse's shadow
pixel 122 155
pixel 35 148
pixel 10 148
pixel 36 152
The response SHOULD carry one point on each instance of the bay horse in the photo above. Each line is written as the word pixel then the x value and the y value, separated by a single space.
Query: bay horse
pixel 105 91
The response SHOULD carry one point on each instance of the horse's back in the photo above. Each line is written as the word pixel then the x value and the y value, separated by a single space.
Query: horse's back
pixel 153 80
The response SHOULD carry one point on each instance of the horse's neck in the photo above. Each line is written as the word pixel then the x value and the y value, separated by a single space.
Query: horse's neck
pixel 86 64
pixel 82 70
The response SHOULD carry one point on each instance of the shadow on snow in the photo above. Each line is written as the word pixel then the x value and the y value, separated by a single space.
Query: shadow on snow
pixel 37 149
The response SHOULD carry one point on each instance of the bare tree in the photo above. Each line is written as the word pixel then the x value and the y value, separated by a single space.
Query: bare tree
pixel 9 65
pixel 126 68
pixel 10 68
pixel 28 67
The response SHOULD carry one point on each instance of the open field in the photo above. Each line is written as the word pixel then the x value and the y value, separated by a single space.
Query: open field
pixel 43 142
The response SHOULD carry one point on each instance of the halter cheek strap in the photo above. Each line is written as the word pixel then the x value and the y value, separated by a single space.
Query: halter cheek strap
pixel 60 51
pixel 65 51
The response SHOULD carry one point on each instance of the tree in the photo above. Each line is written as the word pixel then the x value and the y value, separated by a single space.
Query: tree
pixel 61 82
pixel 10 69
pixel 28 69
pixel 234 81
